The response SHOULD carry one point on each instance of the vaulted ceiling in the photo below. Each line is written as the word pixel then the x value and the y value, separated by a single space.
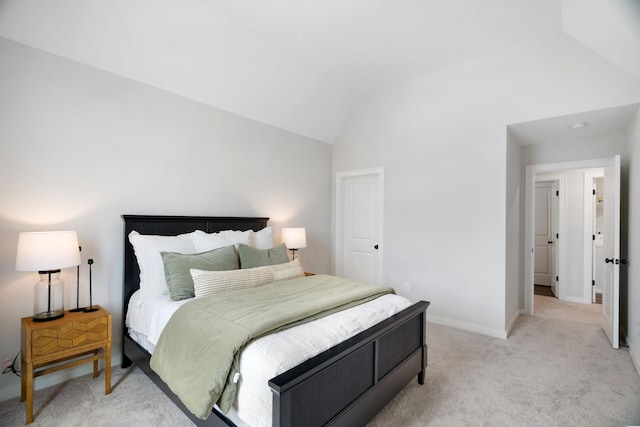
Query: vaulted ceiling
pixel 301 65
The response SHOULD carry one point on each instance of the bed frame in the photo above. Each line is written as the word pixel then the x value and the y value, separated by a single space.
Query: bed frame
pixel 355 379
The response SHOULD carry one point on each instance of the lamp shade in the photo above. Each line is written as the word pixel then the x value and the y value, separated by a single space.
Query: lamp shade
pixel 294 238
pixel 48 250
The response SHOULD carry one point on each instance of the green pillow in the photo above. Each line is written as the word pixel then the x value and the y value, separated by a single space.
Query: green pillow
pixel 177 268
pixel 251 257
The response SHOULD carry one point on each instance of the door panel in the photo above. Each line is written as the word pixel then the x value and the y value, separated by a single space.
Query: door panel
pixel 553 248
pixel 611 231
pixel 361 228
pixel 543 240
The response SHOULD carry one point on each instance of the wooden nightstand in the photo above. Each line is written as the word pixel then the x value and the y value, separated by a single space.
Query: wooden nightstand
pixel 309 274
pixel 72 340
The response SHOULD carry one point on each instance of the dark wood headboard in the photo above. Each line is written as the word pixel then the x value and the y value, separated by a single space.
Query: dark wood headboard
pixel 172 226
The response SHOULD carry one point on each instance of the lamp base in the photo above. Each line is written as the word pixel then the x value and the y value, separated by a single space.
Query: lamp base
pixel 89 309
pixel 76 310
pixel 47 315
pixel 48 297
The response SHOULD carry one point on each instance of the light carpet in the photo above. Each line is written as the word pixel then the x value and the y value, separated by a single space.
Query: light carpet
pixel 556 369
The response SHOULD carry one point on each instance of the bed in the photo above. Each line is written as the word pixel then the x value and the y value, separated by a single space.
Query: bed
pixel 387 356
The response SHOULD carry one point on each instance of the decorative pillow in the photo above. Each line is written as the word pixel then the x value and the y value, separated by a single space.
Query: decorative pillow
pixel 262 239
pixel 210 282
pixel 288 270
pixel 147 249
pixel 208 241
pixel 252 257
pixel 177 268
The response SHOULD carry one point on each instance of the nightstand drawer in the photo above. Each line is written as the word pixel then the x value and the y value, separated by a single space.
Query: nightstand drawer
pixel 54 339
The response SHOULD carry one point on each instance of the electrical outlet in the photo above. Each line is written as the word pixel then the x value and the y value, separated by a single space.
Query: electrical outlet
pixel 407 287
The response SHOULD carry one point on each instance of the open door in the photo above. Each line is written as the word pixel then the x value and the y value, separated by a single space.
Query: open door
pixel 543 273
pixel 555 223
pixel 611 228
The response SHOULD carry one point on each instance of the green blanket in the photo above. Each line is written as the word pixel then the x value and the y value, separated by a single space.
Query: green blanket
pixel 198 351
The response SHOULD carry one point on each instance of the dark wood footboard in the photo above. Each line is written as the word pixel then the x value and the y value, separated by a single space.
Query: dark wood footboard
pixel 350 383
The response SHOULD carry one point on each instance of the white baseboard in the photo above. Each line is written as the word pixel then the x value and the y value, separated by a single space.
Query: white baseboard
pixel 512 323
pixel 496 333
pixel 635 360
pixel 577 300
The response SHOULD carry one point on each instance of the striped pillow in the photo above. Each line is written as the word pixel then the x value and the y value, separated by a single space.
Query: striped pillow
pixel 288 270
pixel 210 282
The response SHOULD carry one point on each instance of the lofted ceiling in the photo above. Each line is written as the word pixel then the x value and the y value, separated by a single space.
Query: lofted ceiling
pixel 301 65
pixel 369 44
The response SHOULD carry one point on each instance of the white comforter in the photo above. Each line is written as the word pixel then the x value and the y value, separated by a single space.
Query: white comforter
pixel 271 355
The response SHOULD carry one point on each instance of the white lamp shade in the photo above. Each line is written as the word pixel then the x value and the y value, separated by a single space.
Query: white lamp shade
pixel 294 238
pixel 48 250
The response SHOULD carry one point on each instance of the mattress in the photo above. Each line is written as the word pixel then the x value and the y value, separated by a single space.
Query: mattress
pixel 268 356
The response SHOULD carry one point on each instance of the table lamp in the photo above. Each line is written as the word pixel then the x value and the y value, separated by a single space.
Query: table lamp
pixel 47 252
pixel 294 239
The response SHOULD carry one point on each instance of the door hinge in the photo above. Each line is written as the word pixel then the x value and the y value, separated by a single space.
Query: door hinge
pixel 594 192
pixel 593 237
pixel 557 192
pixel 593 283
pixel 556 278
pixel 557 236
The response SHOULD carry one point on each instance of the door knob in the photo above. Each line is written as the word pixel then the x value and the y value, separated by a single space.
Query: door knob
pixel 550 242
pixel 608 260
pixel 375 247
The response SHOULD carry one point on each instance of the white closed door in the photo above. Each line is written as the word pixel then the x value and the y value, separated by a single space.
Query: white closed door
pixel 359 223
pixel 611 231
pixel 544 240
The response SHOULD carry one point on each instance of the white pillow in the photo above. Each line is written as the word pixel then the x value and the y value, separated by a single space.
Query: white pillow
pixel 205 242
pixel 262 239
pixel 288 270
pixel 210 282
pixel 147 249
pixel 236 237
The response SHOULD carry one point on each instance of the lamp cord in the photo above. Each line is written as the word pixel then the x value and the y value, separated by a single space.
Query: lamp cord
pixel 12 367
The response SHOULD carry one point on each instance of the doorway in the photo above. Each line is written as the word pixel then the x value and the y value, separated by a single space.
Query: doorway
pixel 359 222
pixel 545 278
pixel 575 243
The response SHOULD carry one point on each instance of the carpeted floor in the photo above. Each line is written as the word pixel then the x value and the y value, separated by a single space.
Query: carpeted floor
pixel 556 369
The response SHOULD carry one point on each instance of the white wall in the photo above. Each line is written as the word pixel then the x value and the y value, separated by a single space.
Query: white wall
pixel 449 128
pixel 80 147
pixel 633 248
pixel 514 243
